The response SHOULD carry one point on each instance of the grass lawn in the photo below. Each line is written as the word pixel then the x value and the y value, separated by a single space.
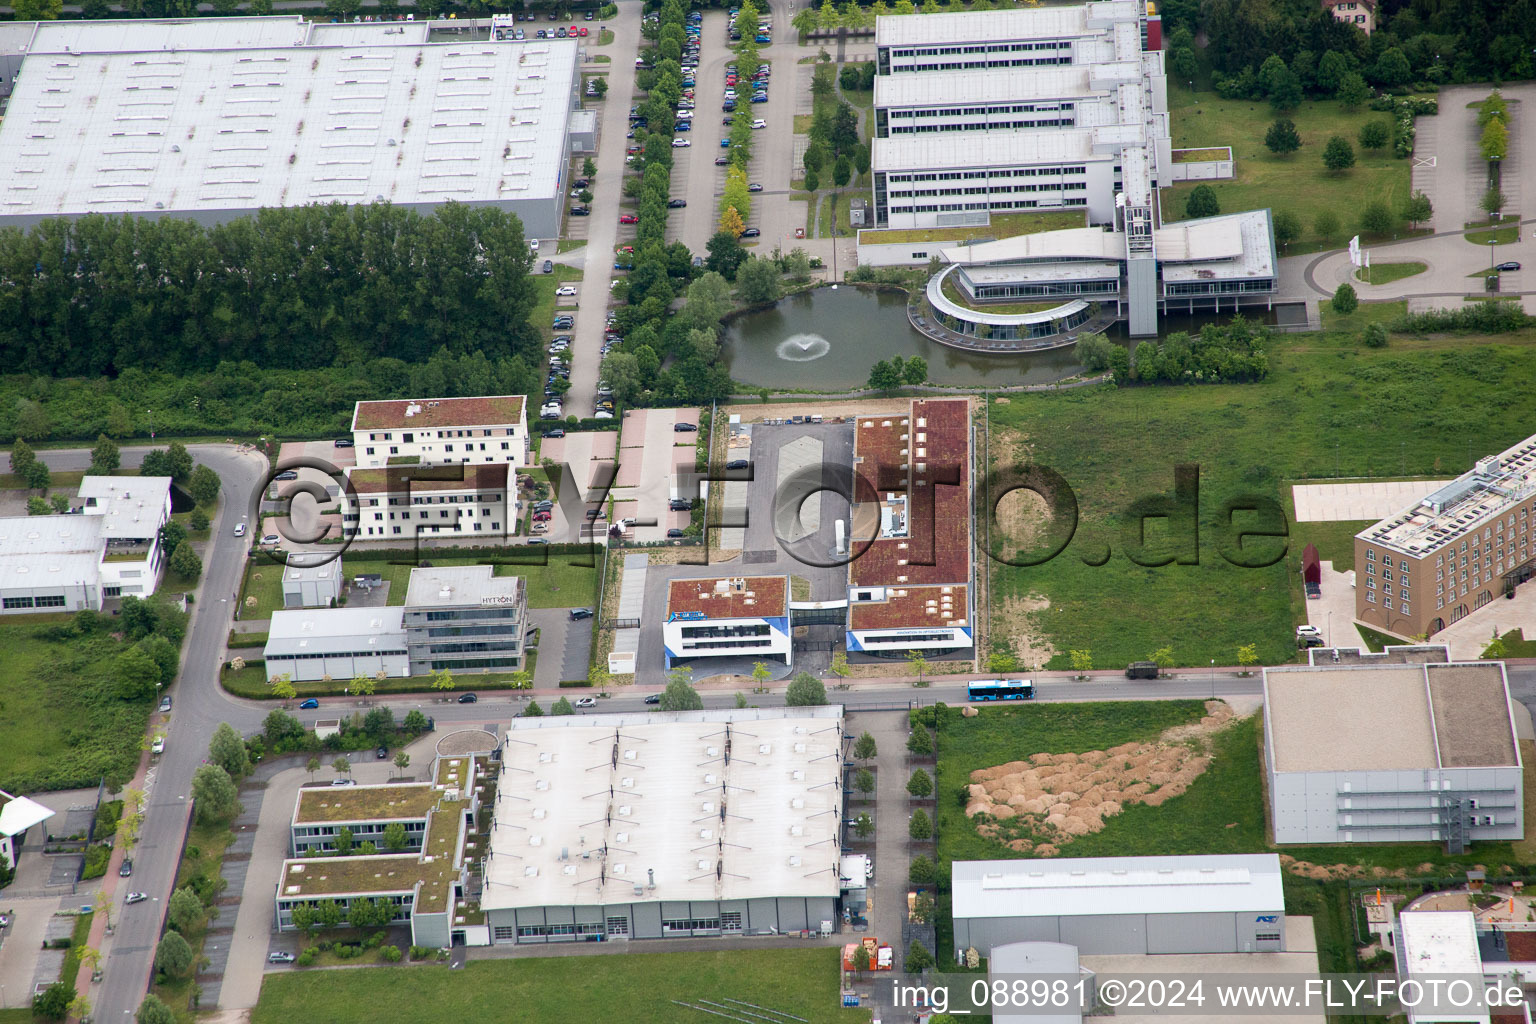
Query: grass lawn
pixel 1328 408
pixel 61 722
pixel 1335 541
pixel 569 244
pixel 605 37
pixel 1517 646
pixel 1297 182
pixel 634 988
pixel 1386 273
pixel 200 866
pixel 1506 235
pixel 1365 313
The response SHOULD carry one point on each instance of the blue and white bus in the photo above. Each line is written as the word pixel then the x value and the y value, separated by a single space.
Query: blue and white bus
pixel 1000 689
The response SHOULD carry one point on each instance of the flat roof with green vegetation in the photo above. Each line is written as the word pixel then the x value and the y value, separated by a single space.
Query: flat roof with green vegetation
pixel 953 293
pixel 62 723
pixel 1422 407
pixel 1003 225
pixel 636 988
pixel 1195 156
pixel 350 876
pixel 365 803
pixel 455 771
pixel 442 843
pixel 1296 182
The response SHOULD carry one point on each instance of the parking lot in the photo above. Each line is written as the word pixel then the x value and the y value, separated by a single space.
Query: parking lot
pixel 652 460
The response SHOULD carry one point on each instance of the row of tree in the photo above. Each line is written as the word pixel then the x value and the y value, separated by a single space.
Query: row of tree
pixel 297 287
pixel 1218 353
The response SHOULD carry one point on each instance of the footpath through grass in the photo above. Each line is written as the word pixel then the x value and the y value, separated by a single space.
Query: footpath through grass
pixel 633 988
pixel 1297 182
pixel 1419 408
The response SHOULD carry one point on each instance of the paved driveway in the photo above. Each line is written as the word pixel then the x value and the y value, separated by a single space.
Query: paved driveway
pixel 602 227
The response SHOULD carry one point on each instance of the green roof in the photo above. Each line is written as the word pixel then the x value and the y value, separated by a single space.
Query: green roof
pixel 407 801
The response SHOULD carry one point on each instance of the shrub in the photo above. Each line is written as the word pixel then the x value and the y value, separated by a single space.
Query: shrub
pixel 419 952
pixel 1345 300
pixel 922 871
pixel 308 957
pixel 390 954
pixel 1374 336
pixel 920 827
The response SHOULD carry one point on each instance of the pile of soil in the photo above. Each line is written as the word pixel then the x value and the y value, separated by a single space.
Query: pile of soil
pixel 1057 797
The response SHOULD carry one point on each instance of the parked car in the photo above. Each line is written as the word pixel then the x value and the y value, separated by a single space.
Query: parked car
pixel 751 233
pixel 467 698
pixel 759 97
pixel 343 442
pixel 309 704
pixel 673 533
pixel 736 464
pixel 1509 265
pixel 685 428
pixel 157 747
pixel 126 869
pixel 557 432
pixel 586 702
pixel 533 244
pixel 755 186
pixel 721 161
pixel 281 958
pixel 537 540
pixel 681 143
pixel 679 505
pixel 581 211
pixel 759 123
pixel 629 218
pixel 1141 670
pixel 271 539
pixel 381 753
pixel 676 204
pixel 566 289
pixel 165 704
pixel 287 474
pixel 549 266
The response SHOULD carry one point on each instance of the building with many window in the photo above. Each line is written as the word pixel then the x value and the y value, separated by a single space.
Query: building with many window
pixel 106 548
pixel 1454 551
pixel 212 119
pixel 431 888
pixel 1402 746
pixel 465 619
pixel 910 588
pixel 743 617
pixel 337 643
pixel 486 430
pixel 410 501
pixel 721 823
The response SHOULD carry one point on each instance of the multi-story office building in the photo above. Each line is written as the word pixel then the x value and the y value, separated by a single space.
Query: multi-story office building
pixel 336 643
pixel 910 588
pixel 465 618
pixel 1453 552
pixel 486 430
pixel 406 502
pixel 1401 746
pixel 365 812
pixel 728 617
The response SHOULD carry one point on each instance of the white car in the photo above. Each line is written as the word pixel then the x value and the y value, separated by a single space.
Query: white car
pixel 533 245
pixel 1308 631
pixel 730 94
pixel 566 289
pixel 134 897
pixel 681 143
pixel 157 747
pixel 239 529
pixel 587 702
pixel 759 123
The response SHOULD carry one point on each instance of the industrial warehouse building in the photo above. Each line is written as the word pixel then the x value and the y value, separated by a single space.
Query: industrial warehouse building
pixel 214 118
pixel 667 825
pixel 1391 748
pixel 1108 905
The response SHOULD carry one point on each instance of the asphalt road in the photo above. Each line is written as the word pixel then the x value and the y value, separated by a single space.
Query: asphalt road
pixel 199 706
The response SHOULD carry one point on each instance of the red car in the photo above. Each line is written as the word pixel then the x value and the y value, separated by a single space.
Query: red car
pixel 629 218
pixel 730 79
pixel 582 31
pixel 541 517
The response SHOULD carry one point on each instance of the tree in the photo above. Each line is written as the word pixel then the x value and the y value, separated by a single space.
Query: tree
pixel 921 826
pixel 918 665
pixel 415 722
pixel 1248 654
pixel 1282 137
pixel 861 159
pixel 920 785
pixel 1286 92
pixel 561 707
pixel 173 956
pixel 1392 68
pixel 861 957
pixel 1163 656
pixel 342 767
pixel 1375 135
pixel 185 563
pixel 760 673
pixel 812 181
pixel 1326 224
pixel 1344 299
pixel 680 694
pixel 379 725
pixel 533 710
pixel 923 908
pixel 178 461
pixel 215 794
pixel 1417 209
pixel 1338 155
pixel 865 748
pixel 198 520
pixel 343 841
pixel 1331 69
pixel 442 679
pixel 402 761
pixel 1374 336
pixel 395 838
pixel 916 371
pixel 806 20
pixel 1492 202
pixel 725 254
pixel 1376 218
pixel 312 765
pixel 757 282
pixel 864 781
pixel 922 871
pixel 1495 650
pixel 22 458
pixel 920 741
pixel 883 376
pixel 105 456
pixel 1352 92
pixel 282 686
pixel 1202 202
pixel 840 665
pixel 918 958
pixel 227 750
pixel 185 910
pixel 863 826
pixel 171 536
pixel 730 222
pixel 842 171
pixel 153 1011
pixel 204 485
pixel 53 1002
pixel 39 10
pixel 805 690
pixel 1287 229
pixel 1082 661
pixel 38 476
pixel 136 674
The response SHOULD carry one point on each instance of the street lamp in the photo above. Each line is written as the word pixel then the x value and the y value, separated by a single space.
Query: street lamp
pixel 1213 679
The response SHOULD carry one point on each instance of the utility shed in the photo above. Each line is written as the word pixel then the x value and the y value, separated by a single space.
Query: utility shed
pixel 1392 752
pixel 1101 905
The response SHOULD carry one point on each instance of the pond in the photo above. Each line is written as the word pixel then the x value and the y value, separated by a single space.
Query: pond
pixel 827 340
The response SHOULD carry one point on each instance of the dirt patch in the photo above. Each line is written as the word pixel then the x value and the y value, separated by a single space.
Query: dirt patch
pixel 1009 447
pixel 1014 621
pixel 1343 872
pixel 1022 518
pixel 1046 801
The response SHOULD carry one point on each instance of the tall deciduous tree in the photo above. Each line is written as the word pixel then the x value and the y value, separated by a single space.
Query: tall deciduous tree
pixel 1282 137
pixel 105 456
pixel 215 794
